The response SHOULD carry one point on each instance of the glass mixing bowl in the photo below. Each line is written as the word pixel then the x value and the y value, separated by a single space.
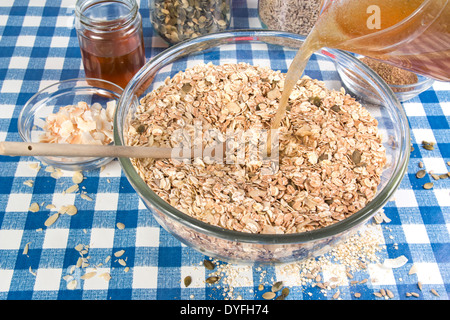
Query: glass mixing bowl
pixel 275 49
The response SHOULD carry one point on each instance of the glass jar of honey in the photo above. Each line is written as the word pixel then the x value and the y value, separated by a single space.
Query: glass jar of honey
pixel 110 38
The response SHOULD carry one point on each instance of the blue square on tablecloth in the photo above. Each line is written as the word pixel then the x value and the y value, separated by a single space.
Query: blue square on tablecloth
pixel 431 214
pixel 438 122
pixel 169 257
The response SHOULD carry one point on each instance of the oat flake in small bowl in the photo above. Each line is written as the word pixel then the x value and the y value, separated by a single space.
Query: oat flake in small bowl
pixel 76 111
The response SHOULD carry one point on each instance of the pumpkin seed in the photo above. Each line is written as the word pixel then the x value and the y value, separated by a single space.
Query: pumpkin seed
pixel 420 174
pixel 356 156
pixel 285 292
pixel 212 279
pixel 277 286
pixel 269 295
pixel 208 264
pixel 428 147
pixel 428 185
pixel 336 108
pixel 187 281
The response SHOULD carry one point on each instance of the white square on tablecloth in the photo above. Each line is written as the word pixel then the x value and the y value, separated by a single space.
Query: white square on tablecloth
pixel 145 277
pixel 10 239
pixel 415 233
pixel 428 273
pixel 11 86
pixel 5 279
pixel 54 63
pixel 55 238
pixel 405 198
pixel 414 109
pixel 442 197
pixel 423 135
pixel 101 238
pixel 31 21
pixel 18 62
pixel 18 202
pixel 437 165
pixel 47 279
pixel 60 42
pixel 106 201
pixel 25 41
pixel 147 237
pixel 6 111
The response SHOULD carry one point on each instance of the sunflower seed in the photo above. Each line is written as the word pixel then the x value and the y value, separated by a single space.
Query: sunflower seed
pixel 433 291
pixel 269 295
pixel 428 185
pixel 420 174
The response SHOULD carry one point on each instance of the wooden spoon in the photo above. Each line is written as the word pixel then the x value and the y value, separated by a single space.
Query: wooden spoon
pixel 9 148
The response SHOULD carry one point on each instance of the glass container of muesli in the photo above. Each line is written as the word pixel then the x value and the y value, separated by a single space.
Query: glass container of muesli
pixel 178 20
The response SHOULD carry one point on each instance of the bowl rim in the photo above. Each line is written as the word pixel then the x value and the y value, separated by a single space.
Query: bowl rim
pixel 29 104
pixel 337 228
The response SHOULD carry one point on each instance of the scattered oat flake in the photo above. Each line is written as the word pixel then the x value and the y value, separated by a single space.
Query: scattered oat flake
pixel 34 207
pixel 119 253
pixel 71 189
pixel 88 275
pixel 32 272
pixel 50 206
pixel 120 225
pixel 85 197
pixel 105 276
pixel 413 269
pixel 77 177
pixel 29 183
pixel 122 262
pixel 71 285
pixel 25 250
pixel 51 220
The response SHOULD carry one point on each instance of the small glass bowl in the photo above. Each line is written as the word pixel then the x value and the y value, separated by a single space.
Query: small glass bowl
pixel 403 92
pixel 274 49
pixel 50 99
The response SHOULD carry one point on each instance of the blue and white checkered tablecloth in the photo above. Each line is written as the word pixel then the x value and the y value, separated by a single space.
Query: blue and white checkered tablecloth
pixel 38 46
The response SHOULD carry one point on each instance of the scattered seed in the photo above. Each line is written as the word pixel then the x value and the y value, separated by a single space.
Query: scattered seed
pixel 208 264
pixel 420 164
pixel 435 176
pixel 261 287
pixel 357 295
pixel 389 293
pixel 428 185
pixel 377 294
pixel 285 292
pixel 29 183
pixel 187 281
pixel 337 294
pixel 414 294
pixel 420 174
pixel 120 225
pixel 433 291
pixel 269 295
pixel 419 285
pixel 277 286
pixel 212 279
pixel 122 262
pixel 428 147
pixel 443 176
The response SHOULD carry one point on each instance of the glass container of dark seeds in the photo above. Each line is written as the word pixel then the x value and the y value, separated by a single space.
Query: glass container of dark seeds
pixel 179 20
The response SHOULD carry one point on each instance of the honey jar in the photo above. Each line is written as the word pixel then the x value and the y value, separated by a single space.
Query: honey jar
pixel 111 39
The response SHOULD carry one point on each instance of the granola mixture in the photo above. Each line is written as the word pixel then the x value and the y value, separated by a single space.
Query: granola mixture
pixel 330 153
